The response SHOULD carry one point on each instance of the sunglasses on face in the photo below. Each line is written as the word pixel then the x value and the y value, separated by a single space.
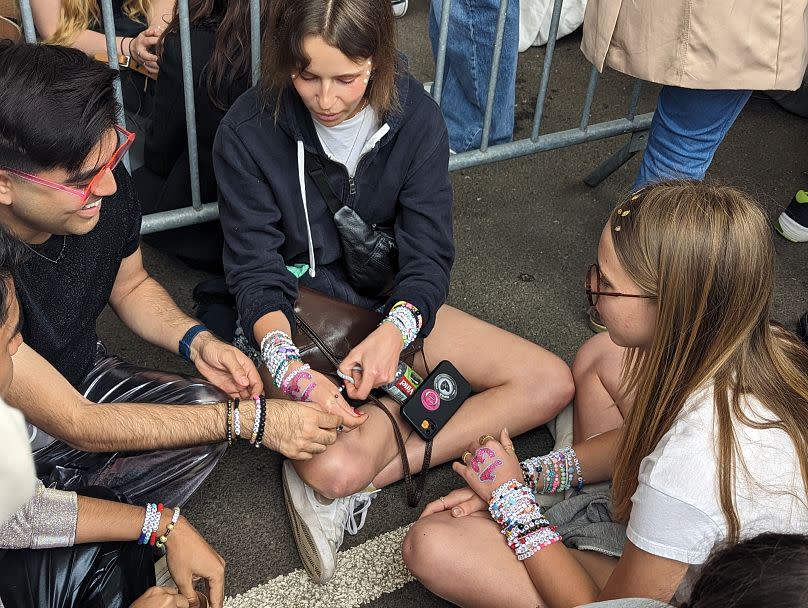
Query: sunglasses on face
pixel 125 139
pixel 593 288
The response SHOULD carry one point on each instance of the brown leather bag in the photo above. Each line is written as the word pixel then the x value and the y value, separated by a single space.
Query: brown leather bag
pixel 327 330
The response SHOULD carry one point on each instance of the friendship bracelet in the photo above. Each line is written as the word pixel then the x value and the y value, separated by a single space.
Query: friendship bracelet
pixel 256 422
pixel 562 471
pixel 229 423
pixel 158 517
pixel 527 531
pixel 263 405
pixel 161 542
pixel 236 420
pixel 151 522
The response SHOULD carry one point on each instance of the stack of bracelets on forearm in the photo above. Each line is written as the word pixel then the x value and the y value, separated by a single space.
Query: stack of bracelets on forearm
pixel 407 318
pixel 279 354
pixel 233 421
pixel 151 523
pixel 513 506
pixel 561 468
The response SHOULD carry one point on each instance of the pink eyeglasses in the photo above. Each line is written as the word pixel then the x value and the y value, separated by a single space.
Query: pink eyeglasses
pixel 126 138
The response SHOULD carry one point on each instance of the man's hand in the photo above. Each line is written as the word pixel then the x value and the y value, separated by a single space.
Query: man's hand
pixel 225 366
pixel 189 559
pixel 161 597
pixel 297 430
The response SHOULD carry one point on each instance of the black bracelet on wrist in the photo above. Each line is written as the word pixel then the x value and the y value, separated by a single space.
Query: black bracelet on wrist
pixel 262 423
pixel 229 423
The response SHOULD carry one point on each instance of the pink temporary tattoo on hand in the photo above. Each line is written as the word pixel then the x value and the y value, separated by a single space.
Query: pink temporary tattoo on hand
pixel 488 474
pixel 481 456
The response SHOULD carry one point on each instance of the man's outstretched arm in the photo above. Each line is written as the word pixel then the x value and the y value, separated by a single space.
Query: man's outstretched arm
pixel 150 312
pixel 49 402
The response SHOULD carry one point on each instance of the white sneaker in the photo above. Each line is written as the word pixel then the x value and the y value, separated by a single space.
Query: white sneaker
pixel 319 527
pixel 400 7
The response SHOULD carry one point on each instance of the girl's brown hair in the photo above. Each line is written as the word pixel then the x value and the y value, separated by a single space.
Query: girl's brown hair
pixel 706 252
pixel 358 28
pixel 76 16
pixel 230 58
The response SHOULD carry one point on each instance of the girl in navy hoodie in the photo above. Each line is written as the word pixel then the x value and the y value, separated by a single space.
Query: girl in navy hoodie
pixel 334 87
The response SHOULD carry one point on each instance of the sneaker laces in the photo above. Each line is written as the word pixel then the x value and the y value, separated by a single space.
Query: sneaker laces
pixel 358 505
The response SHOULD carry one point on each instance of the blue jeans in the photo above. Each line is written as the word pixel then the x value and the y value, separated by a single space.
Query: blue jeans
pixel 687 128
pixel 469 54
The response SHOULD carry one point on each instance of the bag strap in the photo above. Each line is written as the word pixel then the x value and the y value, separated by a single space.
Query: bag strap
pixel 315 170
pixel 414 490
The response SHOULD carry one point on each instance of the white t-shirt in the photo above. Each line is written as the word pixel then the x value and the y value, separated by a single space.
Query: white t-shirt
pixel 17 478
pixel 345 143
pixel 676 511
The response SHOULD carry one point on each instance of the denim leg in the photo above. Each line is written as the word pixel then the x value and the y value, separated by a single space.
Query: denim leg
pixel 687 128
pixel 469 54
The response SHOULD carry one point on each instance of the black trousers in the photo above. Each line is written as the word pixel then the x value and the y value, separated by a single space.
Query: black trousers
pixel 167 476
pixel 98 575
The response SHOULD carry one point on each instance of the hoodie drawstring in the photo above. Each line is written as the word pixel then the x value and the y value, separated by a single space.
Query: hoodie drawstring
pixel 301 177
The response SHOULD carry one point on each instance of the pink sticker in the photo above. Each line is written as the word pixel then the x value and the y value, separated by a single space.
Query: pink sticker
pixel 430 400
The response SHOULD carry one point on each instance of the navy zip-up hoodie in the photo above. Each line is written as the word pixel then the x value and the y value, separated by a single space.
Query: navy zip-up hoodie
pixel 272 213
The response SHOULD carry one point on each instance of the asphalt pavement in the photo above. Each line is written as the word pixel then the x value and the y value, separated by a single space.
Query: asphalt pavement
pixel 525 232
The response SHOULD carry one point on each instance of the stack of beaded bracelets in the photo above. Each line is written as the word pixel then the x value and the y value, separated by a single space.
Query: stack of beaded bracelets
pixel 279 353
pixel 562 471
pixel 151 523
pixel 513 506
pixel 407 318
pixel 233 421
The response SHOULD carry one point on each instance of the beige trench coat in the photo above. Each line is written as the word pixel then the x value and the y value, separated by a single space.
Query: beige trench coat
pixel 701 44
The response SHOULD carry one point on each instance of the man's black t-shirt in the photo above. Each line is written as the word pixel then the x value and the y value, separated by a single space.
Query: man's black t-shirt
pixel 60 302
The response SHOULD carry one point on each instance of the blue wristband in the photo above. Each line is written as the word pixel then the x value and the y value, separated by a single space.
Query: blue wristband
pixel 185 343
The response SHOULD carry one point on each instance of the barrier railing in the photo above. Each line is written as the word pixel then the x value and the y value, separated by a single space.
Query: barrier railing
pixel 198 212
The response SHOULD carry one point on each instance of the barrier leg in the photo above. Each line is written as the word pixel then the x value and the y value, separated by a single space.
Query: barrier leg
pixel 618 159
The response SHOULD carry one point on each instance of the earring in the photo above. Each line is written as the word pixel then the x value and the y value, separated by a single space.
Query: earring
pixel 294 76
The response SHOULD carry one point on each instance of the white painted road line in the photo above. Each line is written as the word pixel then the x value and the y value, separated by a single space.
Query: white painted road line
pixel 364 573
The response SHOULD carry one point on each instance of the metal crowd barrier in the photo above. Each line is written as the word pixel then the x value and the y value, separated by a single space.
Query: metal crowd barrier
pixel 198 212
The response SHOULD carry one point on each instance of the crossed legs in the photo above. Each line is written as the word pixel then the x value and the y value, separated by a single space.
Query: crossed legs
pixel 466 560
pixel 518 385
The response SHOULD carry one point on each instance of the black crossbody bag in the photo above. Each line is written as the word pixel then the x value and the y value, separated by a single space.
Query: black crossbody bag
pixel 369 252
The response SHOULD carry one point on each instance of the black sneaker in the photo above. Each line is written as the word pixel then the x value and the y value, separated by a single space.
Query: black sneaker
pixel 793 222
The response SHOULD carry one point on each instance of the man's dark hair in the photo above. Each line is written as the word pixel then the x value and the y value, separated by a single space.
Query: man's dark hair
pixel 12 255
pixel 55 105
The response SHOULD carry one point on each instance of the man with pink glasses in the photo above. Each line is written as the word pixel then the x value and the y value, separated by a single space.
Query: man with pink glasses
pixel 65 195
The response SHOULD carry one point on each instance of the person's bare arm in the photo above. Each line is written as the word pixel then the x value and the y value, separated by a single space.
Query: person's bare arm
pixel 161 12
pixel 49 402
pixel 47 14
pixel 150 312
pixel 188 556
